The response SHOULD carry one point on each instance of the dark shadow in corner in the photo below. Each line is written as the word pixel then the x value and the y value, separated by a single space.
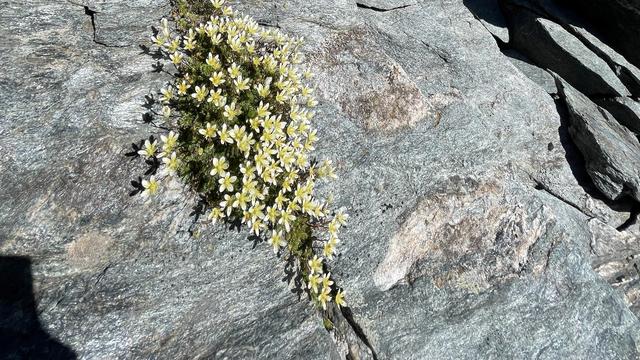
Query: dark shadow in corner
pixel 21 334
pixel 487 10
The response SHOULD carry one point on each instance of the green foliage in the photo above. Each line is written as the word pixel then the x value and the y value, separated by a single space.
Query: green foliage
pixel 240 117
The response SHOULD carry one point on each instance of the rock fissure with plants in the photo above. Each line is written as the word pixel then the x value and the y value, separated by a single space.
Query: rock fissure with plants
pixel 239 117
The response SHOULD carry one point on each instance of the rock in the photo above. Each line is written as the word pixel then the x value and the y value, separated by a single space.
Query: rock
pixel 615 257
pixel 611 152
pixel 552 47
pixel 574 23
pixel 113 275
pixel 626 72
pixel 617 22
pixel 624 109
pixel 109 17
pixel 489 13
pixel 452 250
pixel 536 74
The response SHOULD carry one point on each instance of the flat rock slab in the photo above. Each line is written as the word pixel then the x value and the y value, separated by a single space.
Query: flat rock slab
pixel 452 251
pixel 611 152
pixel 550 46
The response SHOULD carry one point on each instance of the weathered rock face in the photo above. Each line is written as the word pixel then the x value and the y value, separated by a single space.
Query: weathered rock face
pixel 617 21
pixel 611 151
pixel 554 48
pixel 475 227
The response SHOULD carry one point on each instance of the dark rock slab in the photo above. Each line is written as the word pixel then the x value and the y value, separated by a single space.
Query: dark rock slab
pixel 617 21
pixel 624 109
pixel 572 21
pixel 611 152
pixel 628 73
pixel 550 46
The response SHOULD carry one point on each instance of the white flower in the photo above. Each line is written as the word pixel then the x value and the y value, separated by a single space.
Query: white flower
pixel 217 78
pixel 241 84
pixel 149 150
pixel 209 131
pixel 166 111
pixel 324 297
pixel 340 298
pixel 183 87
pixel 215 214
pixel 263 110
pixel 176 58
pixel 171 163
pixel 234 71
pixel 326 281
pixel 263 90
pixel 169 141
pixel 231 112
pixel 220 165
pixel 216 98
pixel 213 61
pixel 224 135
pixel 150 186
pixel 276 240
pixel 200 94
pixel 313 281
pixel 226 182
pixel 341 217
pixel 315 265
pixel 167 95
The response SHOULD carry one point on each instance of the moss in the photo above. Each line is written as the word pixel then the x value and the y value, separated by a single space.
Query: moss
pixel 328 324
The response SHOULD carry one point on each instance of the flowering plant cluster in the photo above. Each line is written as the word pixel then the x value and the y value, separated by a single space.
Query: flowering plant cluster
pixel 240 117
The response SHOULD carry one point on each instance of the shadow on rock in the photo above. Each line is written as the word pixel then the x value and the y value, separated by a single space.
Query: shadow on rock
pixel 21 334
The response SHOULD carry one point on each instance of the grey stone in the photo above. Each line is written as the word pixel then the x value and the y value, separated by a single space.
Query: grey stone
pixel 489 13
pixel 617 22
pixel 452 251
pixel 624 109
pixel 574 23
pixel 615 257
pixel 611 152
pixel 538 75
pixel 626 72
pixel 550 46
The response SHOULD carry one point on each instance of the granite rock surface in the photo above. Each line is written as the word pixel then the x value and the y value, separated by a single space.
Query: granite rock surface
pixel 477 227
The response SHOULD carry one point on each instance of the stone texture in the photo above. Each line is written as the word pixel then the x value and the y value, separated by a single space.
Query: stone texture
pixel 550 46
pixel 615 257
pixel 612 152
pixel 565 15
pixel 625 110
pixel 469 236
pixel 489 13
pixel 617 21
pixel 538 75
pixel 626 72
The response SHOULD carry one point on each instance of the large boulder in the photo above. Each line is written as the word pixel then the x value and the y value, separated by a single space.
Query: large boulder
pixel 468 236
